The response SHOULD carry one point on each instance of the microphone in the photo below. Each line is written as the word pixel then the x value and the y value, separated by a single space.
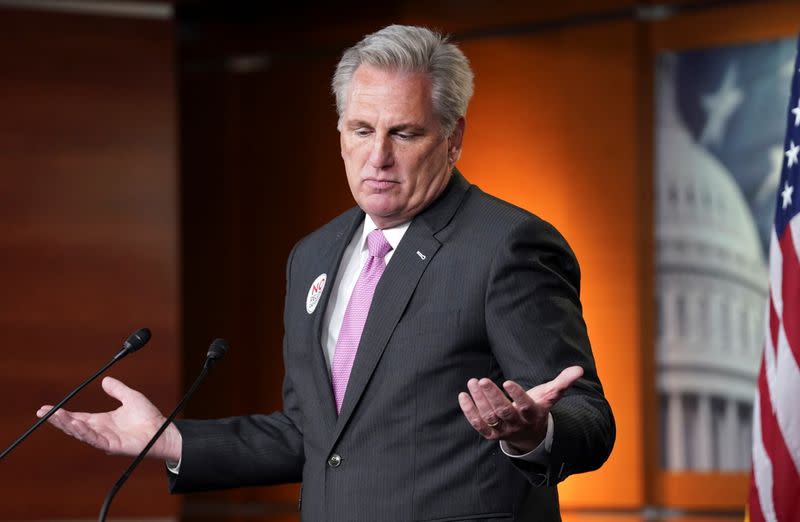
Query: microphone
pixel 133 343
pixel 216 351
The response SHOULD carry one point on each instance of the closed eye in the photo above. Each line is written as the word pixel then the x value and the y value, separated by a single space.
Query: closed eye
pixel 405 135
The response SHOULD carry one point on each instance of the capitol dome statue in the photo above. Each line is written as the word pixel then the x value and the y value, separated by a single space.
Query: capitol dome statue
pixel 711 290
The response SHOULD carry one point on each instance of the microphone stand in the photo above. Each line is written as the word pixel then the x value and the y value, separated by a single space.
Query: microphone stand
pixel 129 347
pixel 210 360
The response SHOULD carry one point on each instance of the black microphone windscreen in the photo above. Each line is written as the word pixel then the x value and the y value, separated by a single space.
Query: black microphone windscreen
pixel 137 340
pixel 217 349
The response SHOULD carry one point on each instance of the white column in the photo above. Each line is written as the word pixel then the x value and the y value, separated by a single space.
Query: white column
pixel 757 333
pixel 729 439
pixel 703 436
pixel 692 323
pixel 703 319
pixel 676 427
pixel 725 326
pixel 669 326
pixel 741 328
pixel 713 323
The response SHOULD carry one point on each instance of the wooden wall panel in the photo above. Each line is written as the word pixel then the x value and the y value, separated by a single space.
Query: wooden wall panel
pixel 88 235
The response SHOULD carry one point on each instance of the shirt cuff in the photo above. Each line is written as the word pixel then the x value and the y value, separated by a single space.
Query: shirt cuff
pixel 540 453
pixel 174 467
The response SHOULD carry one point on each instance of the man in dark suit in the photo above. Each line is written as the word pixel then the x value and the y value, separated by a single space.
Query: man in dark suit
pixel 391 310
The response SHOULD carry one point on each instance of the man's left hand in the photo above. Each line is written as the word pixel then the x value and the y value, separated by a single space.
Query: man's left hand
pixel 522 423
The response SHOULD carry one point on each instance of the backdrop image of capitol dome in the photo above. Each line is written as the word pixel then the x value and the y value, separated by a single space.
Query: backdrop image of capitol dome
pixel 719 136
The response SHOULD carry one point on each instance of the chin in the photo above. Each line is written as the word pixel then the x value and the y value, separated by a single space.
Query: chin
pixel 382 214
pixel 376 205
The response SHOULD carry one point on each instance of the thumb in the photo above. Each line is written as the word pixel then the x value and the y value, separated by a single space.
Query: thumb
pixel 567 377
pixel 118 390
pixel 550 392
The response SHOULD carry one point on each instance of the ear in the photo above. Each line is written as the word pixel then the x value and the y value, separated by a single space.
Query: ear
pixel 454 141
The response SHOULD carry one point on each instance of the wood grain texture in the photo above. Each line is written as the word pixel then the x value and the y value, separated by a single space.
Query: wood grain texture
pixel 88 235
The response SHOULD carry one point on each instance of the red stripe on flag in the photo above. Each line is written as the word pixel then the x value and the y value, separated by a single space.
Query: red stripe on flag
pixel 790 289
pixel 754 505
pixel 774 325
pixel 785 480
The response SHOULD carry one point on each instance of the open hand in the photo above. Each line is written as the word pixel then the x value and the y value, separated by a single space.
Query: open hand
pixel 521 423
pixel 124 431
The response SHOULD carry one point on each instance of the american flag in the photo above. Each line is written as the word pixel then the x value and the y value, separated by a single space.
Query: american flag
pixel 775 479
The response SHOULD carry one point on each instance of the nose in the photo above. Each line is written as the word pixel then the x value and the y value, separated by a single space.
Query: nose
pixel 381 155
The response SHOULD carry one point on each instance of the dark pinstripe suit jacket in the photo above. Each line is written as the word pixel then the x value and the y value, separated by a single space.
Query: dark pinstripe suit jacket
pixel 477 287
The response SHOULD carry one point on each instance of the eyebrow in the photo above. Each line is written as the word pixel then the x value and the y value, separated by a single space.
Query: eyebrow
pixel 355 124
pixel 407 127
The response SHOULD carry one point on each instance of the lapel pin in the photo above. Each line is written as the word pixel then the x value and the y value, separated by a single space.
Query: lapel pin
pixel 315 292
pixel 421 255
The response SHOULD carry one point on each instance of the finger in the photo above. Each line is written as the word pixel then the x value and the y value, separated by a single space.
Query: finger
pixel 60 420
pixel 485 409
pixel 567 377
pixel 499 403
pixel 83 416
pixel 118 390
pixel 550 392
pixel 473 416
pixel 76 426
pixel 84 433
pixel 526 407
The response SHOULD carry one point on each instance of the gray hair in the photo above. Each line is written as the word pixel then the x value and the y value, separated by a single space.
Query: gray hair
pixel 412 49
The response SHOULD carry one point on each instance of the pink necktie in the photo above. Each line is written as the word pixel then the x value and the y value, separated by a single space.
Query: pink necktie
pixel 356 314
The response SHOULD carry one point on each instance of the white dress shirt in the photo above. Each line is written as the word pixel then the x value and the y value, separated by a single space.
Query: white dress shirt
pixel 354 258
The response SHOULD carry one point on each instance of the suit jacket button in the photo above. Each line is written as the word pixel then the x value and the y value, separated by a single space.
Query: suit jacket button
pixel 334 461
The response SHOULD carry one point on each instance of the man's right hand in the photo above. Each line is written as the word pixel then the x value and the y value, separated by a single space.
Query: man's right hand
pixel 124 431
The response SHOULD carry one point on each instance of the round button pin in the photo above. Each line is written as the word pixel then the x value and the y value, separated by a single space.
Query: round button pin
pixel 315 293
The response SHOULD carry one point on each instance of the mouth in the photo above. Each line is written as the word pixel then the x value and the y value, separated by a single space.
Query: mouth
pixel 379 184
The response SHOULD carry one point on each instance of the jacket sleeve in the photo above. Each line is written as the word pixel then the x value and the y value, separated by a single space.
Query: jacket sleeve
pixel 536 329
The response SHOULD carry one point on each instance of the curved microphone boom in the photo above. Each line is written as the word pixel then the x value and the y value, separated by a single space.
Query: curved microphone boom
pixel 133 343
pixel 217 350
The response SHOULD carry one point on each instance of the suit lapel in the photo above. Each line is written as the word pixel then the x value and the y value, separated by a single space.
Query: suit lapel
pixel 395 289
pixel 333 258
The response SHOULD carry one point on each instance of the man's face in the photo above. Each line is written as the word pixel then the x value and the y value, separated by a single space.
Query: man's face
pixel 397 160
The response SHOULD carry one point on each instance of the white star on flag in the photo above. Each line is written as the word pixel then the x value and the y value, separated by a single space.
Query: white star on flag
pixel 786 194
pixel 791 154
pixel 796 112
pixel 720 106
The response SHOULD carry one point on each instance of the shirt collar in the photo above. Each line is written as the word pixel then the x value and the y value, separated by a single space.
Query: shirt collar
pixel 393 235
